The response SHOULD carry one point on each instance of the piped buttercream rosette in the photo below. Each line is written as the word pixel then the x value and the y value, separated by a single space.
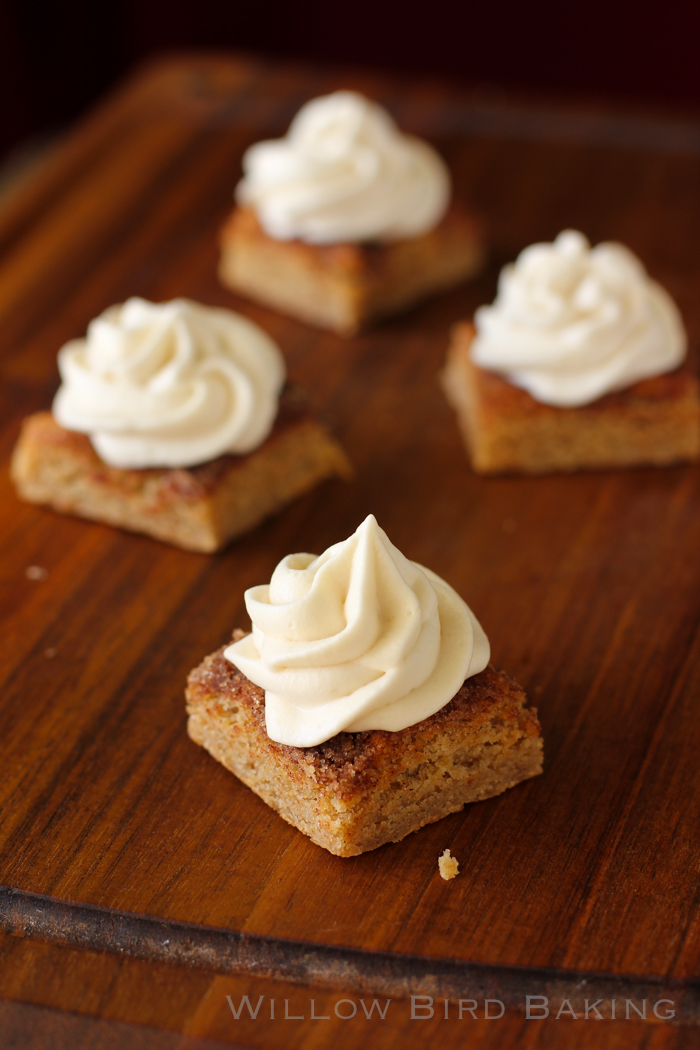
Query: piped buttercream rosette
pixel 345 172
pixel 169 384
pixel 571 323
pixel 358 638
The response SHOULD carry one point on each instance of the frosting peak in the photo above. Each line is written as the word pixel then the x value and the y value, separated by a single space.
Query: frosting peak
pixel 358 638
pixel 169 384
pixel 571 323
pixel 344 172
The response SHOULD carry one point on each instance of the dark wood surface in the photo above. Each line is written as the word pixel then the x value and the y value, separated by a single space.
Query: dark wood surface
pixel 60 999
pixel 588 587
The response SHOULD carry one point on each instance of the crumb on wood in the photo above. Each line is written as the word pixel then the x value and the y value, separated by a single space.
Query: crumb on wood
pixel 448 865
pixel 35 572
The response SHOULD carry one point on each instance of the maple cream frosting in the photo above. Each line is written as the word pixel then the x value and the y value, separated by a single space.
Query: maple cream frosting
pixel 358 638
pixel 169 384
pixel 571 323
pixel 344 172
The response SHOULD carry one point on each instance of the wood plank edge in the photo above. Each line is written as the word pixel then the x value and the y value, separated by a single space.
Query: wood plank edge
pixel 394 975
pixel 158 87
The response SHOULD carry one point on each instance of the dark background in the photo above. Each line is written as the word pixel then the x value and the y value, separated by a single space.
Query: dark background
pixel 57 57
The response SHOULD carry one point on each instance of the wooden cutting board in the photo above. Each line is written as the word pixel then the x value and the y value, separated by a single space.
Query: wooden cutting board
pixel 588 586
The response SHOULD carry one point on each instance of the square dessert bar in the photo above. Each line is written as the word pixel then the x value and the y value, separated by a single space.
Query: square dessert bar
pixel 199 508
pixel 346 286
pixel 654 422
pixel 357 791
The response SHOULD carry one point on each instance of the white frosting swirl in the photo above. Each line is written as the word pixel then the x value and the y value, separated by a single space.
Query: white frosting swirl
pixel 571 323
pixel 358 638
pixel 345 172
pixel 169 384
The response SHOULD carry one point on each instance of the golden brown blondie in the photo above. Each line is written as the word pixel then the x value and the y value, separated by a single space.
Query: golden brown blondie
pixel 357 791
pixel 347 286
pixel 200 508
pixel 654 422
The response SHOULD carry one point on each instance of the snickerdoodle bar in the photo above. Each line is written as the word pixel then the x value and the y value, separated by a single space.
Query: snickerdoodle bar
pixel 357 791
pixel 654 422
pixel 347 286
pixel 200 508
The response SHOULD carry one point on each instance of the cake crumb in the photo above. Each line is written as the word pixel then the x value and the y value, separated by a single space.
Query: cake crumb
pixel 35 572
pixel 448 865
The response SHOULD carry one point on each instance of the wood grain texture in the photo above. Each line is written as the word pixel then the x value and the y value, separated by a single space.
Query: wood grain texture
pixel 588 586
pixel 59 998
